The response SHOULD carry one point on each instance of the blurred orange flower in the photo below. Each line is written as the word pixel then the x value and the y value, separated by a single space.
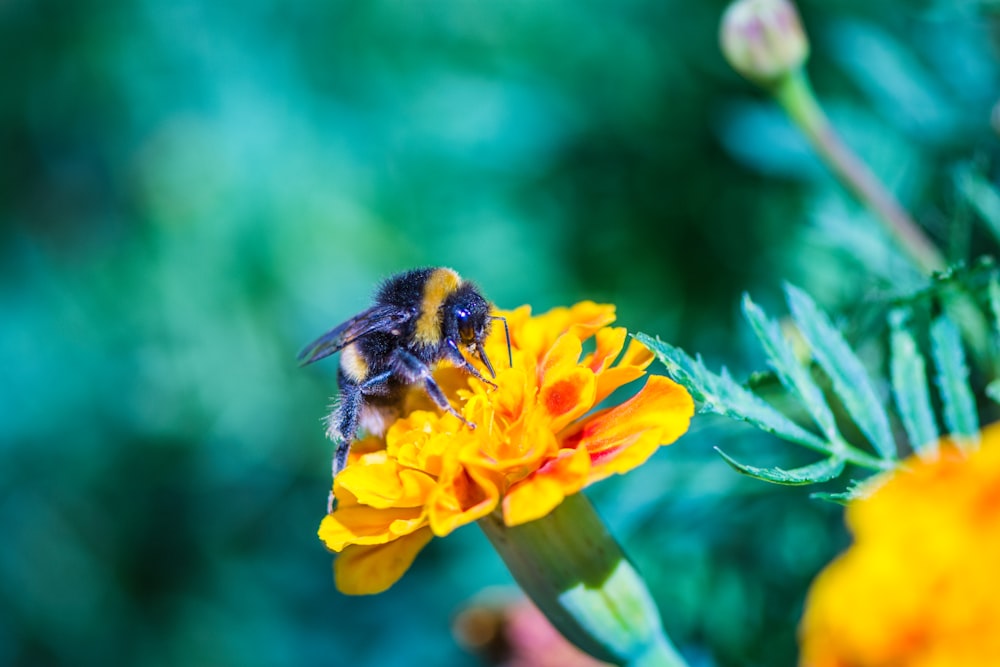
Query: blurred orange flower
pixel 920 586
pixel 536 441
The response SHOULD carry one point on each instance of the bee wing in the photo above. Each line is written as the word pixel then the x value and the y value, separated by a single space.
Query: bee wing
pixel 377 318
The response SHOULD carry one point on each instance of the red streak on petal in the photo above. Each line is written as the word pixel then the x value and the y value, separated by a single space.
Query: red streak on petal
pixel 561 397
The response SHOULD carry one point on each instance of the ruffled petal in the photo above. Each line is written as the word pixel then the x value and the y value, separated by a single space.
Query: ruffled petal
pixel 630 367
pixel 415 441
pixel 461 496
pixel 352 523
pixel 381 482
pixel 537 334
pixel 366 570
pixel 610 342
pixel 622 437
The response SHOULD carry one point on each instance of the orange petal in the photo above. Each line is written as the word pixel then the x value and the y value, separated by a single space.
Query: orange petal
pixel 536 335
pixel 365 570
pixel 567 394
pixel 540 493
pixel 657 415
pixel 610 342
pixel 566 389
pixel 587 317
pixel 631 366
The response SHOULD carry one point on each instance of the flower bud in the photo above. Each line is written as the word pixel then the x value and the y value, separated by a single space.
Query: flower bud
pixel 763 39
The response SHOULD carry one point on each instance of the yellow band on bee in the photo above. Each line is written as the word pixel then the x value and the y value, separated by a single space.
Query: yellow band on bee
pixel 440 284
pixel 353 363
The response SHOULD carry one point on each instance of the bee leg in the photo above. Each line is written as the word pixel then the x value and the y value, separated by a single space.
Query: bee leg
pixel 341 427
pixel 416 371
pixel 342 424
pixel 456 356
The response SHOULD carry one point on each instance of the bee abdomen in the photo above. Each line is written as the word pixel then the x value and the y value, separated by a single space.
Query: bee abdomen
pixel 353 363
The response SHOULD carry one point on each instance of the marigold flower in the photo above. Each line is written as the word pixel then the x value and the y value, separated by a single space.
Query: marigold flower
pixel 919 587
pixel 537 440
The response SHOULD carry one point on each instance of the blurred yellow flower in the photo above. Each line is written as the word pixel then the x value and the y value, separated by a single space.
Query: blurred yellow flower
pixel 920 587
pixel 536 441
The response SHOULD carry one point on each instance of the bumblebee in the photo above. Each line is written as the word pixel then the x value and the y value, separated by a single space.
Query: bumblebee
pixel 419 318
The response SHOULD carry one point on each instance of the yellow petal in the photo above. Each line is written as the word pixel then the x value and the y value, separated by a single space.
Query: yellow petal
pixel 380 482
pixel 358 524
pixel 365 570
pixel 538 494
pixel 461 496
pixel 415 441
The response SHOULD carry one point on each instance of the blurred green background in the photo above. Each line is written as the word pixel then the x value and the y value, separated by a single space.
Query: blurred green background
pixel 190 191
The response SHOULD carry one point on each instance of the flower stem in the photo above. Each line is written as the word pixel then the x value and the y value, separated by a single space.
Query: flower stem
pixel 576 574
pixel 795 94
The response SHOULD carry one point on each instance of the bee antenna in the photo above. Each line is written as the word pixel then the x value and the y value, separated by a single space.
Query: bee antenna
pixel 506 331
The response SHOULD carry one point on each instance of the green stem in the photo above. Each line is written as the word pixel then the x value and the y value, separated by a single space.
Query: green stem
pixel 795 94
pixel 861 459
pixel 576 574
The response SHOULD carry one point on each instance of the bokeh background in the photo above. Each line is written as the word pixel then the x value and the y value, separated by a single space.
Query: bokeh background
pixel 192 190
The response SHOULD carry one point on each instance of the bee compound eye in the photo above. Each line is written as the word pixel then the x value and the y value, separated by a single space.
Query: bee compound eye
pixel 465 329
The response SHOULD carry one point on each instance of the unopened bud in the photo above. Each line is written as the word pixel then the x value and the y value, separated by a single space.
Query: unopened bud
pixel 763 39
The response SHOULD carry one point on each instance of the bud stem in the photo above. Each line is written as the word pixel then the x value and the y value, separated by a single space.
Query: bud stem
pixel 576 574
pixel 795 94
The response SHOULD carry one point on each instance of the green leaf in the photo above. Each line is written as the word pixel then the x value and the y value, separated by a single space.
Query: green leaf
pixel 909 387
pixel 856 490
pixel 792 374
pixel 994 290
pixel 814 473
pixel 953 382
pixel 850 381
pixel 993 388
pixel 983 197
pixel 722 395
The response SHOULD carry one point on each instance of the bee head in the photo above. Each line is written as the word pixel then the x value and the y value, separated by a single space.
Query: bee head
pixel 467 321
pixel 467 316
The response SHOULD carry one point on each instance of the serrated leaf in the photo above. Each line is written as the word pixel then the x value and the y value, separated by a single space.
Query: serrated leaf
pixel 850 381
pixel 790 372
pixel 814 473
pixel 842 498
pixel 909 387
pixel 721 394
pixel 959 406
pixel 857 490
